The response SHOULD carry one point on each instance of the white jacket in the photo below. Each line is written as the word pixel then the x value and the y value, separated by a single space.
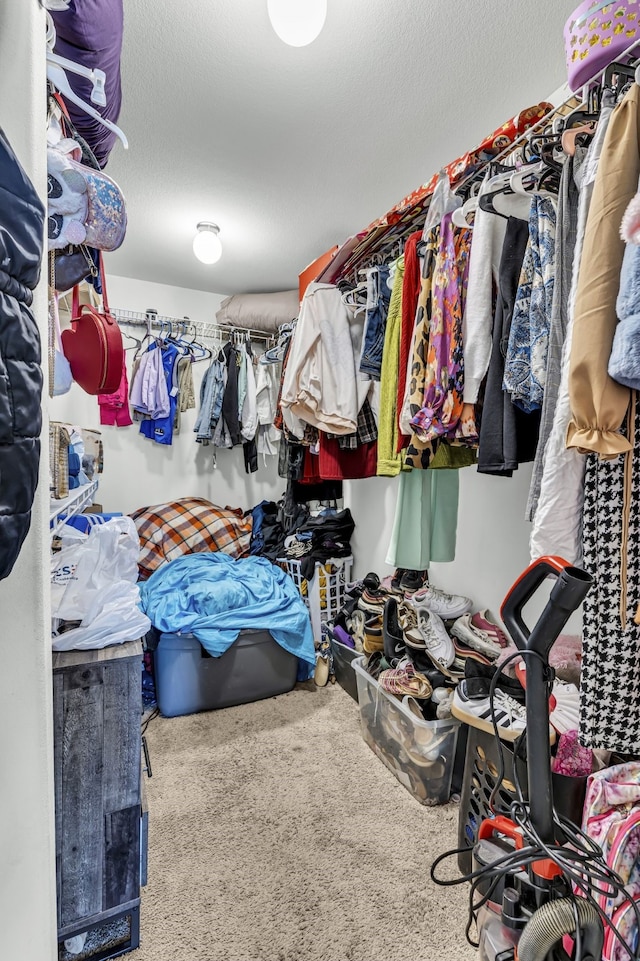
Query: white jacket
pixel 557 526
pixel 321 384
pixel 484 264
pixel 249 413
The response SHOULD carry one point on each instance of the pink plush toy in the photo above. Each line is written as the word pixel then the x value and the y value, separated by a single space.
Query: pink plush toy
pixel 630 227
pixel 565 658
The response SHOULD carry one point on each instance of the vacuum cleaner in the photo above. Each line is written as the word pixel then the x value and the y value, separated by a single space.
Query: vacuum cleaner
pixel 535 873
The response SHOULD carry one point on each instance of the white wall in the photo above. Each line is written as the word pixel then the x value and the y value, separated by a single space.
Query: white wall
pixel 27 852
pixel 492 547
pixel 139 472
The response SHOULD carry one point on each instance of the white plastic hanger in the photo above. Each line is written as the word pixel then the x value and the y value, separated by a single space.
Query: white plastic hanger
pixel 523 181
pixel 519 179
pixel 460 216
pixel 56 74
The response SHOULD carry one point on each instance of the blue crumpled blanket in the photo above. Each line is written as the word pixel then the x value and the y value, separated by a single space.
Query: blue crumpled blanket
pixel 214 597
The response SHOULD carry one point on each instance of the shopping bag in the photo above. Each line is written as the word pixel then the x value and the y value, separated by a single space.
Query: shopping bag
pixel 93 582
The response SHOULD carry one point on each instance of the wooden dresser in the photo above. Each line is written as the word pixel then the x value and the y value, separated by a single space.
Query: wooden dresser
pixel 97 711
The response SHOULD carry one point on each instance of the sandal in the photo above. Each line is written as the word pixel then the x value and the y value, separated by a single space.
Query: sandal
pixel 405 680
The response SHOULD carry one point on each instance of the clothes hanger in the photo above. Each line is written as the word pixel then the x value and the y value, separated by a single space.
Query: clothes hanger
pixel 150 316
pixel 56 67
pixel 460 216
pixel 137 342
pixel 569 137
pixel 623 72
pixel 97 77
pixel 494 187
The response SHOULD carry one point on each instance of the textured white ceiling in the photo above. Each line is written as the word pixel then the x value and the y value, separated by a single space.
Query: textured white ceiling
pixel 291 150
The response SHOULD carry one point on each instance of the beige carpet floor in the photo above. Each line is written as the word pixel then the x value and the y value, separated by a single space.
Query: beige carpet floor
pixel 277 835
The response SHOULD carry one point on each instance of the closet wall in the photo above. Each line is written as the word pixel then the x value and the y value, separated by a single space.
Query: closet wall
pixel 27 845
pixel 493 537
pixel 138 472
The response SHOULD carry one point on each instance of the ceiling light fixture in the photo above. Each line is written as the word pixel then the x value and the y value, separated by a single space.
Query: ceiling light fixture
pixel 206 243
pixel 297 22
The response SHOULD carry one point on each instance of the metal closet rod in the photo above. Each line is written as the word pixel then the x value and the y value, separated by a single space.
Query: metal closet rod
pixel 152 320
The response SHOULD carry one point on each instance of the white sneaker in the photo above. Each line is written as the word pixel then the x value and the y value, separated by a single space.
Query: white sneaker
pixel 566 714
pixel 473 637
pixel 435 637
pixel 510 716
pixel 441 603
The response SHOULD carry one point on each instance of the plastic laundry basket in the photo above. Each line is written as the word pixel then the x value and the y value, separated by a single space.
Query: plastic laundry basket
pixel 324 593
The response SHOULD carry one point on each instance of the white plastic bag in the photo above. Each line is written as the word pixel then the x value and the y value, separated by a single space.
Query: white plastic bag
pixel 93 580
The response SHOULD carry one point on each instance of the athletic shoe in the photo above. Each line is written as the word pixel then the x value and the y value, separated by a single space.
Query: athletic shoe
pixel 355 626
pixel 408 621
pixel 473 637
pixel 424 664
pixel 373 640
pixel 372 601
pixel 394 646
pixel 510 716
pixel 485 621
pixel 437 642
pixel 565 712
pixel 465 653
pixel 479 676
pixel 412 581
pixel 447 606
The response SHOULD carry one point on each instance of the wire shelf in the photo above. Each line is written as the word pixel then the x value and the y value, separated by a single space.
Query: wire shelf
pixel 63 510
pixel 153 321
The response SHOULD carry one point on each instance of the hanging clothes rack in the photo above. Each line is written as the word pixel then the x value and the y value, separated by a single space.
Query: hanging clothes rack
pixel 151 320
pixel 385 234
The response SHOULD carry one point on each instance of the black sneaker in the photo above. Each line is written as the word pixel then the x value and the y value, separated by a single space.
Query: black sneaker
pixel 424 665
pixel 412 581
pixel 394 646
pixel 479 676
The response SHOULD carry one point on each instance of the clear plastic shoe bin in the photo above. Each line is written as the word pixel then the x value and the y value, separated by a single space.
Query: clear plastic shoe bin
pixel 420 753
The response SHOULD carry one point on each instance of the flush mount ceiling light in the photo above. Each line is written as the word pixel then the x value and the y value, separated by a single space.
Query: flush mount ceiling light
pixel 297 22
pixel 206 243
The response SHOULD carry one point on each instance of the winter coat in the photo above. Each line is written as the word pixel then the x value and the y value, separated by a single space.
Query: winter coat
pixel 624 363
pixel 21 247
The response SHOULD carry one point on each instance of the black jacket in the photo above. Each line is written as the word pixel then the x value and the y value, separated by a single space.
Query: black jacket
pixel 21 243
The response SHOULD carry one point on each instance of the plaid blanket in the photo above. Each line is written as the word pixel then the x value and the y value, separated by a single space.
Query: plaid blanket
pixel 188 526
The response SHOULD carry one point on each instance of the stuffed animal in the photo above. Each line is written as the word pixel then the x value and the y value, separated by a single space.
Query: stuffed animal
pixel 630 227
pixel 67 199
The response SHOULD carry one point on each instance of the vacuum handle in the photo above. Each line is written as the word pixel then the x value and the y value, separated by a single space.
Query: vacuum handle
pixel 568 593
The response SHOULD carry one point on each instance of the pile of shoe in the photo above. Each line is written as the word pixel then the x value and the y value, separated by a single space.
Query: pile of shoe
pixel 427 645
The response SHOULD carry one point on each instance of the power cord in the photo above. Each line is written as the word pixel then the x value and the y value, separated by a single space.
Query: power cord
pixel 580 859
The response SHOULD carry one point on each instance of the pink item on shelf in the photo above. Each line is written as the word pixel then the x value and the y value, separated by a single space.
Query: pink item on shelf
pixel 597 33
pixel 114 408
pixel 572 759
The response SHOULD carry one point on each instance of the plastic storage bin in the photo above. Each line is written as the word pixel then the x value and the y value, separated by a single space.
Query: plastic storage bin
pixel 324 593
pixel 421 754
pixel 343 658
pixel 188 679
